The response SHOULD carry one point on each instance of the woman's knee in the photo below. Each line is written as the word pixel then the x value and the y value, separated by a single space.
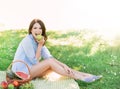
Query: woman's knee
pixel 49 61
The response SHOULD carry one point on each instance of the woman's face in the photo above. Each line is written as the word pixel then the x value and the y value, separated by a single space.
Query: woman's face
pixel 36 30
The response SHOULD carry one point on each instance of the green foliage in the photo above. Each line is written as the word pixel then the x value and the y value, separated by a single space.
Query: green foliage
pixel 9 41
pixel 82 50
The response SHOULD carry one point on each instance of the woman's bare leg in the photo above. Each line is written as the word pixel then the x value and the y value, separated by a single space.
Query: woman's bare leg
pixel 43 66
pixel 81 75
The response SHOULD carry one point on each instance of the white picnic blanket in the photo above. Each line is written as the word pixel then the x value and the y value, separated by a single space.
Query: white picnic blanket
pixel 50 81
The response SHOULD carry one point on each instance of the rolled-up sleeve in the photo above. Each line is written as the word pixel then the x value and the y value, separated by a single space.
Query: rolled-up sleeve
pixel 45 54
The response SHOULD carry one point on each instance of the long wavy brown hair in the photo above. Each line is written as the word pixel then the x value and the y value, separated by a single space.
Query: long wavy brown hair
pixel 42 26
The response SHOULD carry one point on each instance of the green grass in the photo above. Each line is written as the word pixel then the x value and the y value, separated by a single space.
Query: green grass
pixel 81 50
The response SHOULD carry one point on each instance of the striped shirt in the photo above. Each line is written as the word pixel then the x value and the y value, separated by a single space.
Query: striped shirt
pixel 26 52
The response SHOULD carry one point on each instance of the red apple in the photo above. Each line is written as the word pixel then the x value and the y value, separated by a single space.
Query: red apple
pixel 4 84
pixel 15 83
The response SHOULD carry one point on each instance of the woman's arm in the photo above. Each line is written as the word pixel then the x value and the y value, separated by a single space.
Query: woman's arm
pixel 40 44
pixel 37 55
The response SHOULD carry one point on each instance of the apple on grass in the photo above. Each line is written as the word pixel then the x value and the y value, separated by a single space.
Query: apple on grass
pixel 4 84
pixel 11 86
pixel 15 83
pixel 1 87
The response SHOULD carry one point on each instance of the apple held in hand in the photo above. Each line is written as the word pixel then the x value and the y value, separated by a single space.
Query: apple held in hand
pixel 39 37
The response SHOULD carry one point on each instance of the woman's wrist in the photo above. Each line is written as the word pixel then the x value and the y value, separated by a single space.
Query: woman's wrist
pixel 40 45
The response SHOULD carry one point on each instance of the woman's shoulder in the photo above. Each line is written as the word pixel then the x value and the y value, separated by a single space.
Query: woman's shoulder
pixel 26 39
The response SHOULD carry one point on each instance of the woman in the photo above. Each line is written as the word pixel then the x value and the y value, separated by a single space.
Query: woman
pixel 30 50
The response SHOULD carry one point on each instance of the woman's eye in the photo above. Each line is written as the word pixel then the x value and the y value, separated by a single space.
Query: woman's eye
pixel 35 28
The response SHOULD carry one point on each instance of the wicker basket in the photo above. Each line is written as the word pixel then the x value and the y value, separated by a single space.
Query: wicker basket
pixel 20 81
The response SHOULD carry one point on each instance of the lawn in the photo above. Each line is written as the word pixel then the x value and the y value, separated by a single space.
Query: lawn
pixel 82 50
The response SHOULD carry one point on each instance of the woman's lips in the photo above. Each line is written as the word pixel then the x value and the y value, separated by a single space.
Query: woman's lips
pixel 36 34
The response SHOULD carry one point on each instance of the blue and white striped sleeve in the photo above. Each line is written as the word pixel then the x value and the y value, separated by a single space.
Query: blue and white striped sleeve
pixel 45 54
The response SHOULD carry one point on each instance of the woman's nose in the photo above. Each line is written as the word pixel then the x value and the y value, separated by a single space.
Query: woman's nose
pixel 38 32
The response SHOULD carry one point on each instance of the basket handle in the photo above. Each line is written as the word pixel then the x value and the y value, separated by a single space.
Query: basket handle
pixel 22 62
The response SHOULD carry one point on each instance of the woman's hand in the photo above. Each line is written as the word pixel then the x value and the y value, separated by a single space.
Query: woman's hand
pixel 68 70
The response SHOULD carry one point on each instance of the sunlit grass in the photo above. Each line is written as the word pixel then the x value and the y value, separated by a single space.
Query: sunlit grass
pixel 82 50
